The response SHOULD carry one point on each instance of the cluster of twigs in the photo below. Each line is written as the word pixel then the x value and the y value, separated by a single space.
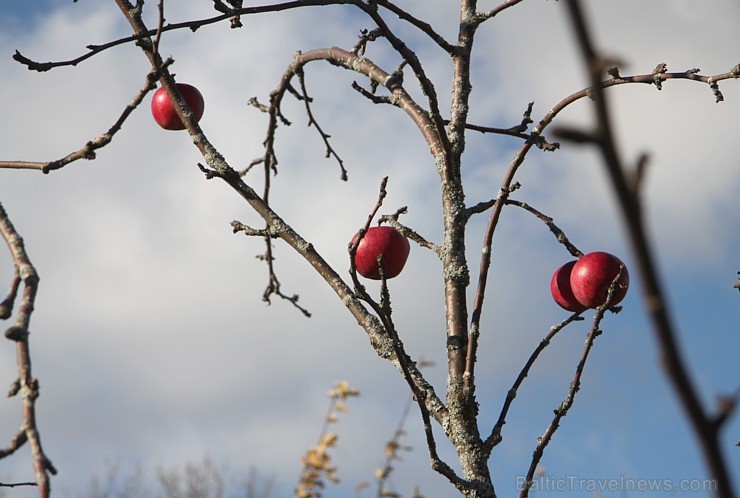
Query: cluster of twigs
pixel 445 137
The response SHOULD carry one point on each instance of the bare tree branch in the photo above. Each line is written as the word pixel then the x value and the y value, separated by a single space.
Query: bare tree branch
pixel 575 386
pixel 384 313
pixel 562 410
pixel 191 25
pixel 88 151
pixel 26 385
pixel 705 427
pixel 312 122
pixel 423 26
pixel 446 140
pixel 495 437
pixel 494 12
pixel 506 187
pixel 16 484
pixel 217 163
pixel 559 234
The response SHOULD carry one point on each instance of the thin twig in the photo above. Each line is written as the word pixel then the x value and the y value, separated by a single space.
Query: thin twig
pixel 421 25
pixel 518 131
pixel 559 234
pixel 494 12
pixel 330 151
pixel 392 220
pixel 88 151
pixel 375 99
pixel 273 287
pixel 495 437
pixel 562 410
pixel 366 36
pixel 158 37
pixel 16 484
pixel 355 243
pixel 191 25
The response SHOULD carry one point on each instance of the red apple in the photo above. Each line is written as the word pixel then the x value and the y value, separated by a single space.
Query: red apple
pixel 592 275
pixel 383 240
pixel 164 112
pixel 561 291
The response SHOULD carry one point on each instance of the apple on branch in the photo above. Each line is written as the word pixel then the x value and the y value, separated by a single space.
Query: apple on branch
pixel 163 110
pixel 385 241
pixel 592 276
pixel 579 285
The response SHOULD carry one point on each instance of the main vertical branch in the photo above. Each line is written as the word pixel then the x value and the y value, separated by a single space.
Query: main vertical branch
pixel 463 410
pixel 453 200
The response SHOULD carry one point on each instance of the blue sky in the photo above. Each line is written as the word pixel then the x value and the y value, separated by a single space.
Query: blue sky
pixel 150 339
